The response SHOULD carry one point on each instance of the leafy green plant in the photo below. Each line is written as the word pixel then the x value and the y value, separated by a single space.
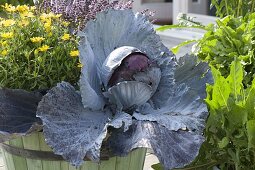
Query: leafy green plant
pixel 230 128
pixel 228 39
pixel 36 51
pixel 235 8
pixel 230 137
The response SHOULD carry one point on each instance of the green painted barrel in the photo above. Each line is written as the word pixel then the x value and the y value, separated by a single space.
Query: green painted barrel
pixel 36 142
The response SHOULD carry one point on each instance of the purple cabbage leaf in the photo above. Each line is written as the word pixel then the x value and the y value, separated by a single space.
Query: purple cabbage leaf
pixel 133 93
pixel 18 113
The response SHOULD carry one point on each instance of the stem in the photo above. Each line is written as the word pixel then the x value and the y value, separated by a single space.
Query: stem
pixel 252 6
pixel 226 6
pixel 238 8
pixel 237 162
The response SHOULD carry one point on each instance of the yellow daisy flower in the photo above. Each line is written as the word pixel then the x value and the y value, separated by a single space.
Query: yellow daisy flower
pixel 23 23
pixel 27 14
pixel 22 8
pixel 9 7
pixel 65 37
pixel 7 35
pixel 43 48
pixel 74 53
pixel 4 53
pixel 47 26
pixel 37 39
pixel 4 43
pixel 66 24
pixel 8 22
pixel 46 17
pixel 79 65
pixel 57 16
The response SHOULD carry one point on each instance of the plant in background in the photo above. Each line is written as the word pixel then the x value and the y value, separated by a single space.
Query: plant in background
pixel 234 8
pixel 132 94
pixel 230 38
pixel 36 51
pixel 78 12
pixel 230 129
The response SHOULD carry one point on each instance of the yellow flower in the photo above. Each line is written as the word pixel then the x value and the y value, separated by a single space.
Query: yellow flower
pixel 4 43
pixel 45 17
pixel 74 53
pixel 65 37
pixel 27 14
pixel 7 35
pixel 66 24
pixel 49 34
pixel 43 48
pixel 37 39
pixel 9 7
pixel 57 16
pixel 32 8
pixel 8 22
pixel 4 53
pixel 79 65
pixel 22 8
pixel 47 26
pixel 23 23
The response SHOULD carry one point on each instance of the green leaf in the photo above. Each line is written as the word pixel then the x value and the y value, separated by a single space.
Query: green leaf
pixel 237 117
pixel 167 27
pixel 176 49
pixel 223 143
pixel 157 166
pixel 250 101
pixel 221 89
pixel 235 78
pixel 251 133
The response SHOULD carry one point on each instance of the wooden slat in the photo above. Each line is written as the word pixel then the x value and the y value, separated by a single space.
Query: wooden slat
pixel 17 160
pixel 32 142
pixel 134 161
pixel 137 159
pixel 8 160
pixel 47 165
pixel 89 165
pixel 108 165
pixel 64 165
pixel 73 168
pixel 122 163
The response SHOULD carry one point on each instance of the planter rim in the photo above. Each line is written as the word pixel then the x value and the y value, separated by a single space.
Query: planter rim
pixel 39 155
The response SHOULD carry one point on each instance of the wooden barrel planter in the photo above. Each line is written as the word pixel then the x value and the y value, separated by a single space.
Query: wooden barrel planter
pixel 19 154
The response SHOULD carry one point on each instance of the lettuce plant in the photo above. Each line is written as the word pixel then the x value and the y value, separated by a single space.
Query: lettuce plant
pixel 133 93
pixel 230 128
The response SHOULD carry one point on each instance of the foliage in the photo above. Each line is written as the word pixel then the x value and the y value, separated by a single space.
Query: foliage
pixel 230 137
pixel 234 8
pixel 17 2
pixel 36 51
pixel 230 128
pixel 184 21
pixel 230 38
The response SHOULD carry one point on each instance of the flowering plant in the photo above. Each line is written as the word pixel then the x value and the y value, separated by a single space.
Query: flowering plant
pixel 79 12
pixel 36 50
